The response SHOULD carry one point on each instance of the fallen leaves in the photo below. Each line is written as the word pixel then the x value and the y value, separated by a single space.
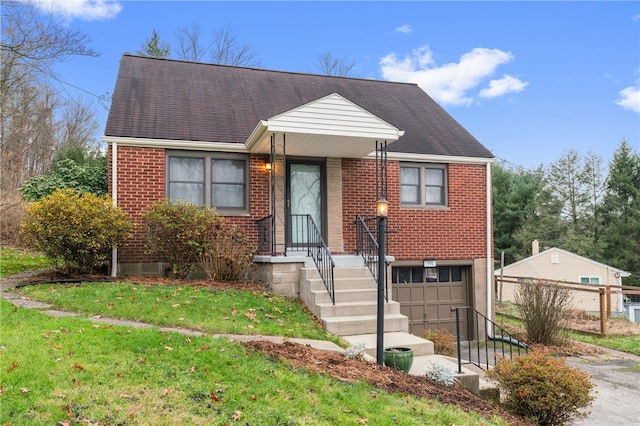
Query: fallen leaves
pixel 13 366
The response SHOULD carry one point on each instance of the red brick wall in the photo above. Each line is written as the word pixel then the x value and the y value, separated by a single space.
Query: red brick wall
pixel 141 181
pixel 457 232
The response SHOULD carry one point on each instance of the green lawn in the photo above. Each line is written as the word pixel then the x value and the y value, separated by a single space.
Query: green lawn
pixel 70 371
pixel 195 307
pixel 13 261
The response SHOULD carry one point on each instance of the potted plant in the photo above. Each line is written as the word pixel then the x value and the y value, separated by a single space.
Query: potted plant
pixel 398 357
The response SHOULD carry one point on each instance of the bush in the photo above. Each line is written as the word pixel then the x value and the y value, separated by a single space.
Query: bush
pixel 76 230
pixel 542 388
pixel 441 374
pixel 12 211
pixel 545 310
pixel 228 256
pixel 179 232
pixel 90 178
pixel 443 341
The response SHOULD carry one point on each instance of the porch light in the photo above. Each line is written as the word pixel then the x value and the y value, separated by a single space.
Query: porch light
pixel 382 208
pixel 267 166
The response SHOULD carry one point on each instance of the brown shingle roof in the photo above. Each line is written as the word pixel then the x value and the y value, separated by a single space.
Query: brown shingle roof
pixel 168 99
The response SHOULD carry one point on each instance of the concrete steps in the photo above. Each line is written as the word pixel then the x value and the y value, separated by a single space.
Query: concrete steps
pixel 356 295
pixel 354 317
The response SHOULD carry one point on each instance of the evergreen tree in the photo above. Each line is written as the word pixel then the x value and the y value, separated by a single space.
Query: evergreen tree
pixel 621 213
pixel 154 48
pixel 514 193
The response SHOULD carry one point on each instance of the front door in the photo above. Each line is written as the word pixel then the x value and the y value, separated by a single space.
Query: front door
pixel 305 198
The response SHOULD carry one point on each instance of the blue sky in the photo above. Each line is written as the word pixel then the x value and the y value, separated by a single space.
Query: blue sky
pixel 527 79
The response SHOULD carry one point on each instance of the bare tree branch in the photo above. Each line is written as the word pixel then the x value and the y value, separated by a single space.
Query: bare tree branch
pixel 327 64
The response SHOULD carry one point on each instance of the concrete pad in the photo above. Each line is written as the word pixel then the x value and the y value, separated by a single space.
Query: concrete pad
pixel 419 345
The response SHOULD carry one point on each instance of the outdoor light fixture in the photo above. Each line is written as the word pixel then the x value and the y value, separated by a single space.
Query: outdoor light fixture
pixel 382 208
pixel 267 166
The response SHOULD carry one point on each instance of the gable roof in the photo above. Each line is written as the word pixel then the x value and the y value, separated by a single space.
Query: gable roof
pixel 176 100
pixel 325 127
pixel 568 253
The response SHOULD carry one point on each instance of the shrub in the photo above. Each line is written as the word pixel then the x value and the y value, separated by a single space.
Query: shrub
pixel 441 374
pixel 76 230
pixel 91 178
pixel 545 310
pixel 443 341
pixel 543 388
pixel 179 232
pixel 12 211
pixel 228 256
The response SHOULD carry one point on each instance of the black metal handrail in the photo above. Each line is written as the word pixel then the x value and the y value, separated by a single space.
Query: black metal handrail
pixel 495 339
pixel 306 235
pixel 265 235
pixel 367 246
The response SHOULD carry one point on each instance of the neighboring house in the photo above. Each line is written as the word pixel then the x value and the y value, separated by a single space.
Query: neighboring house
pixel 262 144
pixel 561 265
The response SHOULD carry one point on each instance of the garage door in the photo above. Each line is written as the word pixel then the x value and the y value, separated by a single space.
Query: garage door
pixel 426 296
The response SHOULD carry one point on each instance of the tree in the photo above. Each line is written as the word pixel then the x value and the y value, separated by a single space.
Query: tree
pixel 32 42
pixel 621 212
pixel 223 48
pixel 514 195
pixel 229 51
pixel 327 64
pixel 577 182
pixel 191 43
pixel 154 48
pixel 544 222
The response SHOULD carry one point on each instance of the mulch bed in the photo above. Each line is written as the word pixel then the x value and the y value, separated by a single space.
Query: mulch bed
pixel 385 378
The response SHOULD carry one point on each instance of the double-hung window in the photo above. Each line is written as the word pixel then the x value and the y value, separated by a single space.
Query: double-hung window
pixel 217 180
pixel 423 185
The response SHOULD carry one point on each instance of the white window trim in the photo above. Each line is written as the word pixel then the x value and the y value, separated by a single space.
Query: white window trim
pixel 422 186
pixel 590 277
pixel 208 157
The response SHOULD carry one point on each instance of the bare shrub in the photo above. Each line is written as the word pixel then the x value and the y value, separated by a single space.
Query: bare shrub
pixel 228 255
pixel 12 211
pixel 545 310
pixel 443 341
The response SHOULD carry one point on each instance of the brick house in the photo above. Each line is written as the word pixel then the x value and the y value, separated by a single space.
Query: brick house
pixel 279 153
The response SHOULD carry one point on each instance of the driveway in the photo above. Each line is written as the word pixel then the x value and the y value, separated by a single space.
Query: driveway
pixel 616 376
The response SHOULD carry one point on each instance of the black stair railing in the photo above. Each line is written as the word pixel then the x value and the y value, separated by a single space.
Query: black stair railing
pixel 305 235
pixel 491 340
pixel 367 246
pixel 265 236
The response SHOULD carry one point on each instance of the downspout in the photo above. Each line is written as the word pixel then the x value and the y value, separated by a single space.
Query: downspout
pixel 489 244
pixel 114 197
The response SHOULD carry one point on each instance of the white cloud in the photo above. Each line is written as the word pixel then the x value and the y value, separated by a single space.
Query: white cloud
pixel 404 29
pixel 89 10
pixel 630 98
pixel 636 18
pixel 506 84
pixel 451 83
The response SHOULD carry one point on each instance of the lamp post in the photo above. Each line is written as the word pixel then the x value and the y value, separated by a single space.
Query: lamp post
pixel 382 208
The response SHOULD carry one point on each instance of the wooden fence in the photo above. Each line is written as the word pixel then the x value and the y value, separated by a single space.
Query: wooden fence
pixel 604 292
